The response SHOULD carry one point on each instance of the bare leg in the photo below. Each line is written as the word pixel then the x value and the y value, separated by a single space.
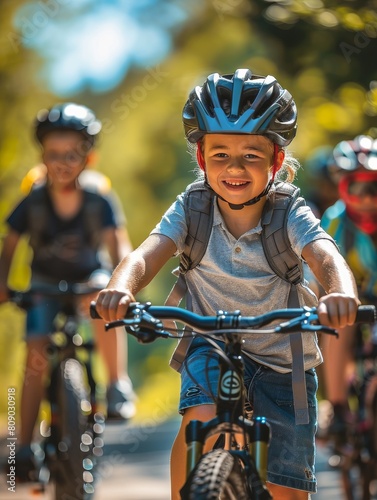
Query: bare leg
pixel 178 454
pixel 337 353
pixel 112 346
pixel 283 493
pixel 33 388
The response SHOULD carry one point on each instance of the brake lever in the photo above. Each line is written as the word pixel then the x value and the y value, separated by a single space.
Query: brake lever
pixel 320 328
pixel 143 326
pixel 304 323
pixel 122 322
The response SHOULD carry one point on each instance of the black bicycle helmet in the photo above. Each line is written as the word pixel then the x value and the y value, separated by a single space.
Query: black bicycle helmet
pixel 67 116
pixel 361 152
pixel 241 103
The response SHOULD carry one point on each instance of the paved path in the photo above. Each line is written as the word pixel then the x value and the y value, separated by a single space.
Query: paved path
pixel 135 466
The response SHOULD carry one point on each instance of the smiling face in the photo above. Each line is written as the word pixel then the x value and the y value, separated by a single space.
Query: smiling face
pixel 64 156
pixel 238 167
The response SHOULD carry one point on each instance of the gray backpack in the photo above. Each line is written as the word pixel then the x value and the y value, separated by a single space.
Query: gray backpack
pixel 198 202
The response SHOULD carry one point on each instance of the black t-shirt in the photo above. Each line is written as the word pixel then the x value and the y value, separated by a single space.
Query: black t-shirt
pixel 64 249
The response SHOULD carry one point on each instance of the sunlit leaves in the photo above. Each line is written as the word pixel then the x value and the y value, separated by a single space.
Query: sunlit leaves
pixel 353 17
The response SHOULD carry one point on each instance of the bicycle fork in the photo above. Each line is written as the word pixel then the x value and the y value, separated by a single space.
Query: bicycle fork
pixel 230 403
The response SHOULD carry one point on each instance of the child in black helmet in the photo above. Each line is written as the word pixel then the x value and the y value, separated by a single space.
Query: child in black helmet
pixel 239 126
pixel 66 246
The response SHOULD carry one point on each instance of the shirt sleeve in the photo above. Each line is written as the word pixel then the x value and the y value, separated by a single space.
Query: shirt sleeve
pixel 109 216
pixel 173 224
pixel 304 227
pixel 18 219
pixel 117 209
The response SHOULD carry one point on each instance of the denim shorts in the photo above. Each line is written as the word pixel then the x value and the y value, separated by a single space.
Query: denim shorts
pixel 40 317
pixel 291 453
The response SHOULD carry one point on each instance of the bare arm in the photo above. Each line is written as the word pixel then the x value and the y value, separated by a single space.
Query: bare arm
pixel 133 273
pixel 118 244
pixel 338 307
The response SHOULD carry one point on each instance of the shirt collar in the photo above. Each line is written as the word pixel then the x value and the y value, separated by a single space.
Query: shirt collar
pixel 219 221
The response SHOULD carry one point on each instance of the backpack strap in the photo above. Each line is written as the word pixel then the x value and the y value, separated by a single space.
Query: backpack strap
pixel 288 266
pixel 276 245
pixel 38 216
pixel 198 204
pixel 349 238
pixel 92 217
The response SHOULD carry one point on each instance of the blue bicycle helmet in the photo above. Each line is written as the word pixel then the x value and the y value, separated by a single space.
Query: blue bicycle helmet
pixel 242 103
pixel 67 116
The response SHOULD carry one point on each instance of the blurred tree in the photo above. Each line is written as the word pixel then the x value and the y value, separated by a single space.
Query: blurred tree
pixel 21 97
pixel 326 48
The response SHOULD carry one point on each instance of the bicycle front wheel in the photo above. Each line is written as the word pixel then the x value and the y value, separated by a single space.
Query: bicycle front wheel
pixel 218 475
pixel 69 470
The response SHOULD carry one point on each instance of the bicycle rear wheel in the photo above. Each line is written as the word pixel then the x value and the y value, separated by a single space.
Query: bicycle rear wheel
pixel 369 473
pixel 218 475
pixel 69 462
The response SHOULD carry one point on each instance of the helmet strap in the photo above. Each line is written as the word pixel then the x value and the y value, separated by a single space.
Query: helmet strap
pixel 199 156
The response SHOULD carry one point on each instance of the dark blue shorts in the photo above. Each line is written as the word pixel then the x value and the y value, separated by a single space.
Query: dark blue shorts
pixel 292 447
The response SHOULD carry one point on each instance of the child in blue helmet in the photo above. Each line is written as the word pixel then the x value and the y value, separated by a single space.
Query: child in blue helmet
pixel 54 216
pixel 239 126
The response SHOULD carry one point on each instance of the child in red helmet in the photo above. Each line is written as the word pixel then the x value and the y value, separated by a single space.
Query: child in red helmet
pixel 352 221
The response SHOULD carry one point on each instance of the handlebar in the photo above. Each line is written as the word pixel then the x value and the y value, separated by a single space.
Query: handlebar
pixel 144 320
pixel 63 289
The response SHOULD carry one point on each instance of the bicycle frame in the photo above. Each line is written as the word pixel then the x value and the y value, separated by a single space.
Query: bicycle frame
pixel 356 457
pixel 70 392
pixel 230 417
pixel 73 343
pixel 143 321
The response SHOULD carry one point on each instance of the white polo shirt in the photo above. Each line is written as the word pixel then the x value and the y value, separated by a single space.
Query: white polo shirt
pixel 234 274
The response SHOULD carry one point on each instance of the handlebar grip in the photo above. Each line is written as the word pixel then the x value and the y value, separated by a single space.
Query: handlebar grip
pixel 366 314
pixel 93 311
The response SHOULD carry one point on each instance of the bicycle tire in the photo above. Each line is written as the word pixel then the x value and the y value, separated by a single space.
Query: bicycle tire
pixel 369 471
pixel 218 475
pixel 69 467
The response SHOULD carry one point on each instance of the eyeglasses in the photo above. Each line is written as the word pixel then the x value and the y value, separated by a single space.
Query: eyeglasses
pixel 71 158
pixel 358 185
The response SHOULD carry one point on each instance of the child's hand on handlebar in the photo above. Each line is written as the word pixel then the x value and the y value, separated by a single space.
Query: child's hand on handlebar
pixel 112 304
pixel 337 310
